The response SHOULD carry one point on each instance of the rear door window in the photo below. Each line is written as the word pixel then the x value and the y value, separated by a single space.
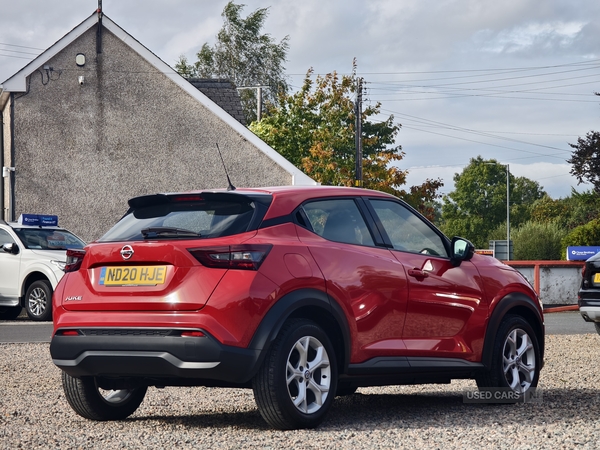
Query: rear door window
pixel 338 220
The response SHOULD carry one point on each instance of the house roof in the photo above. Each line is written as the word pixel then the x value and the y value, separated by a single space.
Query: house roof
pixel 223 93
pixel 18 83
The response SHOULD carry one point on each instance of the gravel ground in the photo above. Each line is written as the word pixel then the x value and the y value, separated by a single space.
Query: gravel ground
pixel 35 414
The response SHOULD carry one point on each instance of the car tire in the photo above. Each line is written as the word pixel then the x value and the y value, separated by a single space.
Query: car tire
pixel 516 359
pixel 10 312
pixel 94 403
pixel 38 300
pixel 597 325
pixel 296 384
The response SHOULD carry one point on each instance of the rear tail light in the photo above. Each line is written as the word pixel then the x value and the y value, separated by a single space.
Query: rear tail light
pixel 244 257
pixel 74 260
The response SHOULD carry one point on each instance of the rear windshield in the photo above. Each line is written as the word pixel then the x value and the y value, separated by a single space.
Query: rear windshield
pixel 208 218
pixel 45 239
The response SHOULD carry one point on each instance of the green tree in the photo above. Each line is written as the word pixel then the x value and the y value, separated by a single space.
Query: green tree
pixel 244 55
pixel 585 160
pixel 582 207
pixel 314 128
pixel 547 209
pixel 588 234
pixel 538 241
pixel 478 203
pixel 577 209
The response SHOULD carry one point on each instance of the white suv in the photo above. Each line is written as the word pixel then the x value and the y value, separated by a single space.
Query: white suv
pixel 32 256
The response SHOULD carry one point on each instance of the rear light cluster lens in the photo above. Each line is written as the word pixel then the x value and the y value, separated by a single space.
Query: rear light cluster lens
pixel 68 333
pixel 244 257
pixel 192 334
pixel 74 260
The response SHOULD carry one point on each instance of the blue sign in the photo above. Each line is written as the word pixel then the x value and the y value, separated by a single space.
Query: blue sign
pixel 581 253
pixel 48 221
pixel 40 220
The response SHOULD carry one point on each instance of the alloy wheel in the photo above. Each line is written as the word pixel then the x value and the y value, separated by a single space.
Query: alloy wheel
pixel 519 360
pixel 308 374
pixel 38 301
pixel 114 397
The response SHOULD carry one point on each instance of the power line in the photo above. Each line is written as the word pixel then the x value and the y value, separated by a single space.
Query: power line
pixel 487 81
pixel 14 56
pixel 500 70
pixel 22 46
pixel 17 51
pixel 484 143
pixel 442 125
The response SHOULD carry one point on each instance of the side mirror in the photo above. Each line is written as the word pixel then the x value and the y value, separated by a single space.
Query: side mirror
pixel 462 250
pixel 11 248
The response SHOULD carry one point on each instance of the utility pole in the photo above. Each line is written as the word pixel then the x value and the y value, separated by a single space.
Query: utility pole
pixel 507 207
pixel 507 213
pixel 258 98
pixel 358 138
pixel 99 30
pixel 259 103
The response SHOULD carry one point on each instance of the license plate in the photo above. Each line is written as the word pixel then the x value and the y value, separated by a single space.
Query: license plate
pixel 133 276
pixel 596 278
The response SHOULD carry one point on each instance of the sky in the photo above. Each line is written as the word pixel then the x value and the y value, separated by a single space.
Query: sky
pixel 512 81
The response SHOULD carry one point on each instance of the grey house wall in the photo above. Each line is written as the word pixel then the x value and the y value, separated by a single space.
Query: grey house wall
pixel 82 150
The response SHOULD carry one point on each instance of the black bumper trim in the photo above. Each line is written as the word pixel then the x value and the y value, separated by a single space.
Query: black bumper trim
pixel 413 365
pixel 201 358
pixel 589 303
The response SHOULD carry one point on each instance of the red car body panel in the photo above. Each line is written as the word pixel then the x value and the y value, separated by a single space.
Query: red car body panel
pixel 445 302
pixel 370 285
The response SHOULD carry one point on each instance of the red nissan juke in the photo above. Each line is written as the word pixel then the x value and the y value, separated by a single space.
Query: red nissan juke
pixel 300 293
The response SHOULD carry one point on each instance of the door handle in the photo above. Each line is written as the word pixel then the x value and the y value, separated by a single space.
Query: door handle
pixel 417 273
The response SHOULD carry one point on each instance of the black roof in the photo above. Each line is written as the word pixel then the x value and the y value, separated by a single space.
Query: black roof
pixel 223 93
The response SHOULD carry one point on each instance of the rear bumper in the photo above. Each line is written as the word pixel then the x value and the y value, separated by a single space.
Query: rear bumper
pixel 590 313
pixel 153 354
pixel 589 306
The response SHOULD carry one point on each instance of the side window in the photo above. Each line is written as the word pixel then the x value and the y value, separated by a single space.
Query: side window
pixel 5 238
pixel 338 220
pixel 407 231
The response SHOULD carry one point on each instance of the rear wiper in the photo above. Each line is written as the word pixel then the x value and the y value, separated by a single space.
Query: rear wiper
pixel 155 232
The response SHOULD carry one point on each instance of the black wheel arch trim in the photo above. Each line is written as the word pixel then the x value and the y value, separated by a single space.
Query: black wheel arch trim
pixel 31 278
pixel 292 303
pixel 511 302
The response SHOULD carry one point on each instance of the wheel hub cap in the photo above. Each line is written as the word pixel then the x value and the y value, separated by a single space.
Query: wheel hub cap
pixel 519 360
pixel 308 374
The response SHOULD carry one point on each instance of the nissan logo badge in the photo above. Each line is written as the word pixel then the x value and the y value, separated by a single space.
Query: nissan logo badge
pixel 127 252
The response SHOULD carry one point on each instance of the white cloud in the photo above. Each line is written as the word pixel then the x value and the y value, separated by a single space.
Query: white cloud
pixel 555 179
pixel 523 38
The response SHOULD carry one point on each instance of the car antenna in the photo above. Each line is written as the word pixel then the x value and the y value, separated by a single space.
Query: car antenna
pixel 231 187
